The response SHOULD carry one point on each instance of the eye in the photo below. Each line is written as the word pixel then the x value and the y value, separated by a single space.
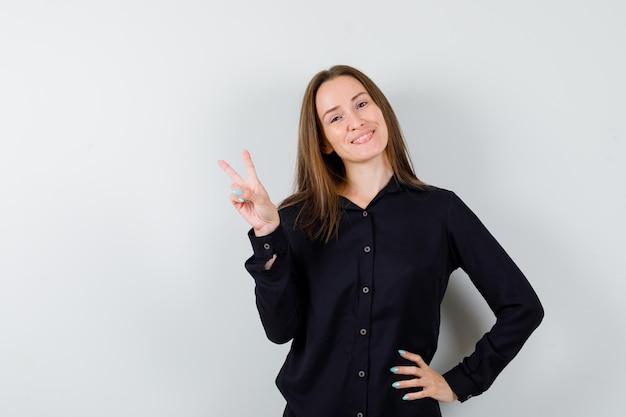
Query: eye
pixel 361 104
pixel 334 119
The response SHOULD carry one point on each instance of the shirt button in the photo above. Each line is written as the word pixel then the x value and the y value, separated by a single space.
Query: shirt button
pixel 365 214
pixel 367 249
pixel 365 290
pixel 361 374
pixel 266 245
pixel 359 414
pixel 363 332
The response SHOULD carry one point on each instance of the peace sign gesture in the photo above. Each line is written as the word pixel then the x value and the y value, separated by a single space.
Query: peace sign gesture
pixel 250 198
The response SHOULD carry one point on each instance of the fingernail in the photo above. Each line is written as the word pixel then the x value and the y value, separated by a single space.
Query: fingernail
pixel 405 398
pixel 394 369
pixel 241 200
pixel 402 352
pixel 395 384
pixel 237 192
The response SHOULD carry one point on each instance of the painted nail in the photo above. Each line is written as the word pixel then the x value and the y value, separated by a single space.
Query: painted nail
pixel 394 369
pixel 405 398
pixel 237 192
pixel 395 385
pixel 402 352
pixel 241 200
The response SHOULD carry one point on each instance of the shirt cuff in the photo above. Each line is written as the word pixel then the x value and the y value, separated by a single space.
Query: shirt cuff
pixel 265 247
pixel 462 385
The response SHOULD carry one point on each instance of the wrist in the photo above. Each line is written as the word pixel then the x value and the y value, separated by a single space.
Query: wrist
pixel 265 230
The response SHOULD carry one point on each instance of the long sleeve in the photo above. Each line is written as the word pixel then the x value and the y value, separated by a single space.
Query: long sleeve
pixel 509 295
pixel 276 290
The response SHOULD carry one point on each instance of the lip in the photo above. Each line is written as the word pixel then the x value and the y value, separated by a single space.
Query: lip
pixel 362 138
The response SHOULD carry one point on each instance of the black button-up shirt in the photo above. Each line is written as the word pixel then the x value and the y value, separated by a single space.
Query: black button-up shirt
pixel 351 303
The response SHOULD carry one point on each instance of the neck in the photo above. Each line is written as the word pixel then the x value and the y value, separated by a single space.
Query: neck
pixel 365 180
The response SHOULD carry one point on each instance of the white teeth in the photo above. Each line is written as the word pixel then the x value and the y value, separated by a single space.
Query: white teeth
pixel 360 139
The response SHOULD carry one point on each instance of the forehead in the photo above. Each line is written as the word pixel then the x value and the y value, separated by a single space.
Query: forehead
pixel 337 92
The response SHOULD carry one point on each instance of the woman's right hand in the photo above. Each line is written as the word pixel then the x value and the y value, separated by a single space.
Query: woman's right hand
pixel 250 198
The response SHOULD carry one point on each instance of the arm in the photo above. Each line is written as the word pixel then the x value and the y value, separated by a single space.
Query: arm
pixel 509 295
pixel 276 295
pixel 276 291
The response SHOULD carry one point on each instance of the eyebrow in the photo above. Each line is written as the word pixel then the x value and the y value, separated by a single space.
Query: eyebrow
pixel 336 107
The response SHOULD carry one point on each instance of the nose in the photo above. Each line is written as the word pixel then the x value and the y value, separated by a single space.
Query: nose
pixel 355 122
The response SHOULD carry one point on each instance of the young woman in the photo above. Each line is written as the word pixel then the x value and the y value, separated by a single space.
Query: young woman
pixel 354 265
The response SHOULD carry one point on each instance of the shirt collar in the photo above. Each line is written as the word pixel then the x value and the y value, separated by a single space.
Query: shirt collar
pixel 393 186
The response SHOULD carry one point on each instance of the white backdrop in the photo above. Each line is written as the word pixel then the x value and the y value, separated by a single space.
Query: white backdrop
pixel 122 287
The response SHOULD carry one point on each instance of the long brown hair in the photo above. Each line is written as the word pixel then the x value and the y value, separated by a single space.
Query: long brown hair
pixel 319 175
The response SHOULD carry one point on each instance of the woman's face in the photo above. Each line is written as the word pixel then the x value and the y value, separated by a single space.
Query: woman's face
pixel 354 126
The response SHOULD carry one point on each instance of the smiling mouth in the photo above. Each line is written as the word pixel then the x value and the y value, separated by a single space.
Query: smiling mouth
pixel 363 138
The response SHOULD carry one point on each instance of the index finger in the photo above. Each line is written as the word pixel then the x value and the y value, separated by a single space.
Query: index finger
pixel 230 171
pixel 250 170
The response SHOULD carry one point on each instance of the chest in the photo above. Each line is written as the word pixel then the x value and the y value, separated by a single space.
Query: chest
pixel 392 247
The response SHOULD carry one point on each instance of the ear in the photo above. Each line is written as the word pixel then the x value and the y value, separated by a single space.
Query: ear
pixel 326 148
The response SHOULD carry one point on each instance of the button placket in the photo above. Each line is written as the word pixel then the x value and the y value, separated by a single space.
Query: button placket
pixel 363 323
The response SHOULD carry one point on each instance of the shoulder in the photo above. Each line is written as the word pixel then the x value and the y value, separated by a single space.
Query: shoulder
pixel 289 214
pixel 440 202
pixel 430 192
